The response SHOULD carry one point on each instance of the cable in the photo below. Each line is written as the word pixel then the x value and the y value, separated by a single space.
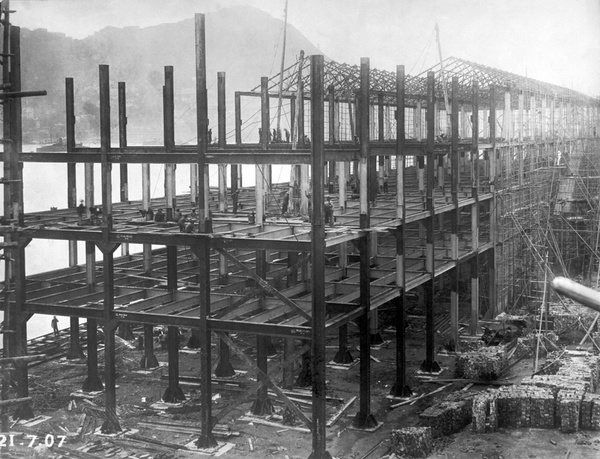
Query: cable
pixel 426 47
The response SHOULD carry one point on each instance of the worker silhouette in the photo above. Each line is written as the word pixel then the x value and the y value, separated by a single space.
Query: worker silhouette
pixel 54 324
pixel 328 208
pixel 81 211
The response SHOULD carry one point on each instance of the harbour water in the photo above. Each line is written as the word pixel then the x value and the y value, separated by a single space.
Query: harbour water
pixel 45 187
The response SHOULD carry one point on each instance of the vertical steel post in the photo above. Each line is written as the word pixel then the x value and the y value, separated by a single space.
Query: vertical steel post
pixel 71 167
pixel 201 120
pixel 332 137
pixel 222 169
pixel 400 389
pixel 318 259
pixel 224 367
pixel 123 179
pixel 261 174
pixel 169 141
pixel 173 393
pixel 92 382
pixel 206 438
pixel 111 425
pixel 300 104
pixel 262 405
pixel 70 143
pixel 380 138
pixel 364 418
pixel 474 323
pixel 429 364
pixel 17 319
pixel 148 360
pixel 235 176
pixel 222 133
pixel 146 204
pixel 104 150
pixel 202 251
pixel 455 217
pixel 123 140
pixel 493 219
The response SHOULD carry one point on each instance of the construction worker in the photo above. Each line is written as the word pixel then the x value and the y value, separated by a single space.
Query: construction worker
pixel 54 324
pixel 328 208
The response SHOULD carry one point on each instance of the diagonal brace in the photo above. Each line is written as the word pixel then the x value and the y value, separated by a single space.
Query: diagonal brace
pixel 253 293
pixel 264 284
pixel 266 380
pixel 257 385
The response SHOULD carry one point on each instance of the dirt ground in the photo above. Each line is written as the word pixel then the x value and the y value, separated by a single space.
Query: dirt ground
pixel 53 382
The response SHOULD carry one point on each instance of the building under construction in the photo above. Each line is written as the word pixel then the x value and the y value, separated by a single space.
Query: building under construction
pixel 465 179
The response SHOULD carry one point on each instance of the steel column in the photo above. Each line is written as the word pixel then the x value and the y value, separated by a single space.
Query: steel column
pixel 202 251
pixel 319 442
pixel 474 323
pixel 455 218
pixel 124 188
pixel 148 360
pixel 92 382
pixel 224 367
pixel 174 393
pixel 169 141
pixel 364 418
pixel 400 389
pixel 201 120
pixel 429 364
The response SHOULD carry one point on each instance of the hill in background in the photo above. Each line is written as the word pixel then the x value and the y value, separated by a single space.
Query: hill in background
pixel 244 42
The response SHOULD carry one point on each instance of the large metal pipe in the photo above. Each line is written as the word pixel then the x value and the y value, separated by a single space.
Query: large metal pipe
pixel 577 292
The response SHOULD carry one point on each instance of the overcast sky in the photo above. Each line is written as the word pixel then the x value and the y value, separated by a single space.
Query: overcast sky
pixel 551 40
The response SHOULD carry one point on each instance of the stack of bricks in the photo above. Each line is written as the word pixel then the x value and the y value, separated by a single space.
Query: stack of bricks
pixel 543 408
pixel 449 416
pixel 589 418
pixel 560 400
pixel 412 441
pixel 565 321
pixel 512 404
pixel 485 364
pixel 525 406
pixel 581 366
pixel 569 407
pixel 527 345
pixel 485 414
pixel 556 383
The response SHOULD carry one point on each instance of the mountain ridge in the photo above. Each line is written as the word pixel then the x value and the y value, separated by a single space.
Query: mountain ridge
pixel 245 42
